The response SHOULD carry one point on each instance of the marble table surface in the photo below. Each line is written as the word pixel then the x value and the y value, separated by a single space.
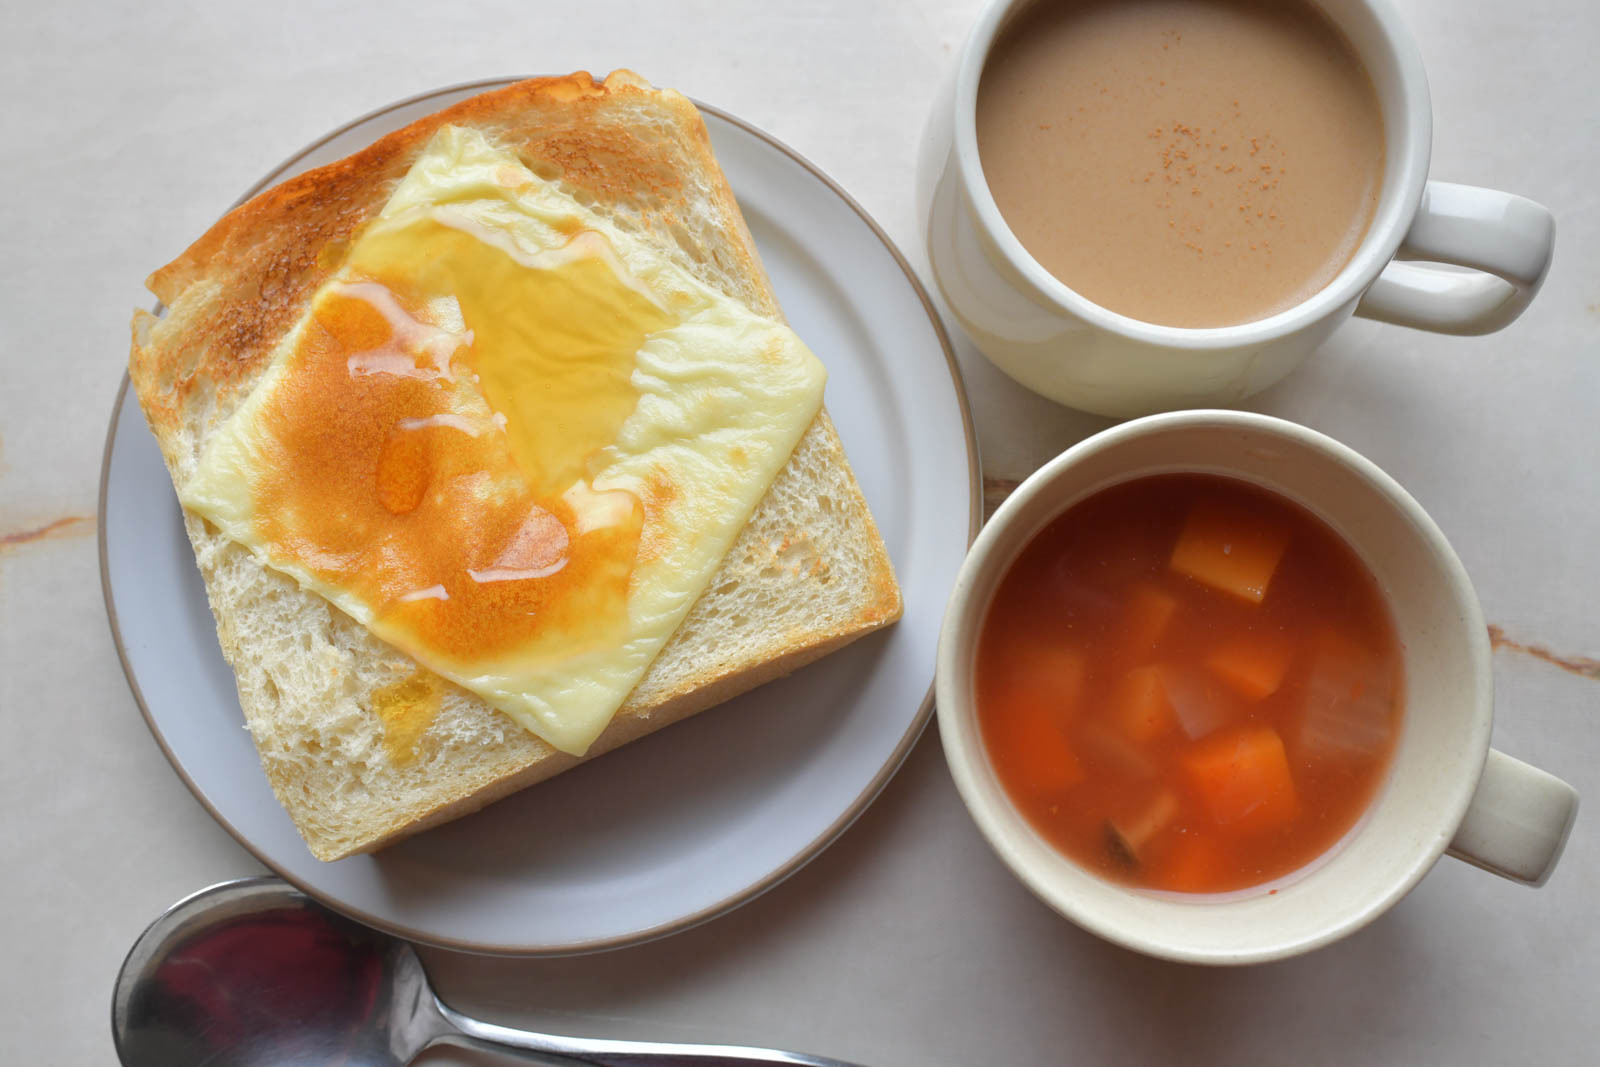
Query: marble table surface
pixel 131 127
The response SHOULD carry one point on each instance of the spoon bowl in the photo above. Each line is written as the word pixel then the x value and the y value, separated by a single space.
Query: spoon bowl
pixel 253 973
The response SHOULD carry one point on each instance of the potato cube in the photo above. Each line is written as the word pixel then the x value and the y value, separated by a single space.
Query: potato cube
pixel 1129 833
pixel 1232 552
pixel 1139 705
pixel 1144 620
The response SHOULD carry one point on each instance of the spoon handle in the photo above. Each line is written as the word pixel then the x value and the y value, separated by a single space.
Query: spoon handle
pixel 550 1049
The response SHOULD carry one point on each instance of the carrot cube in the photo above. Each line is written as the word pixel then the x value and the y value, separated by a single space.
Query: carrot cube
pixel 1032 745
pixel 1242 778
pixel 1232 552
pixel 1139 705
pixel 1253 666
pixel 1193 865
pixel 1144 618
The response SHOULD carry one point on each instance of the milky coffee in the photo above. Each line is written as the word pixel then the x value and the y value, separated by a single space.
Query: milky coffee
pixel 1185 162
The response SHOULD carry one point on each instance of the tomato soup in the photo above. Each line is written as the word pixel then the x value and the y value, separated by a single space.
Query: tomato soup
pixel 1188 683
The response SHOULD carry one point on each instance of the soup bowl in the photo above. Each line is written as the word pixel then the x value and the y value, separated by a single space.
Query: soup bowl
pixel 1445 790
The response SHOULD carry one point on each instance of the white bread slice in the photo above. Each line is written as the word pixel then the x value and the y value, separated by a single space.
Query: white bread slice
pixel 808 574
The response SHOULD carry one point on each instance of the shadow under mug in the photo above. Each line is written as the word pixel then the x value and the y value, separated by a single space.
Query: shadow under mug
pixel 1450 258
pixel 1445 790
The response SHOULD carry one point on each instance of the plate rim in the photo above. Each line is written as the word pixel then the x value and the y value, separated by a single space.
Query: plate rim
pixel 804 855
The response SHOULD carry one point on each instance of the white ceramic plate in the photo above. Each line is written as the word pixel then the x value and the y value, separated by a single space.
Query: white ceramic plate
pixel 687 823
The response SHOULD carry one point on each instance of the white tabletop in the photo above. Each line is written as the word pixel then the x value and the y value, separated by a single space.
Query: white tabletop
pixel 130 127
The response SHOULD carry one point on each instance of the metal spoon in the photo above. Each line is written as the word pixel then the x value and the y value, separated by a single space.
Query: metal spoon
pixel 253 973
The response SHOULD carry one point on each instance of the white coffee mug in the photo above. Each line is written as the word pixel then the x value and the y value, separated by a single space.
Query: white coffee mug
pixel 1445 790
pixel 1060 344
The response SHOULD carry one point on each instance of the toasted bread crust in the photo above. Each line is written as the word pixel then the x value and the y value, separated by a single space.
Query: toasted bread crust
pixel 252 275
pixel 643 154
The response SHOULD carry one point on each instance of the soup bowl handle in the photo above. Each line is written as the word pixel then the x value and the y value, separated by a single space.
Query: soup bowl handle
pixel 1506 241
pixel 1518 821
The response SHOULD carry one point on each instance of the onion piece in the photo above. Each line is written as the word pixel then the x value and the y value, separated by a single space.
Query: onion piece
pixel 1350 701
pixel 1201 703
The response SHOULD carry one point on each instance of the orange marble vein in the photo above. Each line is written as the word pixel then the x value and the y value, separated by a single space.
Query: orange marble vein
pixel 66 526
pixel 1583 666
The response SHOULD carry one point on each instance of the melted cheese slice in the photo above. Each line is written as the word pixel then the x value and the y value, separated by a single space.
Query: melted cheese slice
pixel 509 439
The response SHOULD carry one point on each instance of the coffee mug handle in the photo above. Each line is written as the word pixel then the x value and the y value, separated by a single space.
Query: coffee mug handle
pixel 1518 821
pixel 1507 242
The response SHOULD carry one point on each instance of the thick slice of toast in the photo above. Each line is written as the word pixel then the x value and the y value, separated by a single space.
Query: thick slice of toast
pixel 808 574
